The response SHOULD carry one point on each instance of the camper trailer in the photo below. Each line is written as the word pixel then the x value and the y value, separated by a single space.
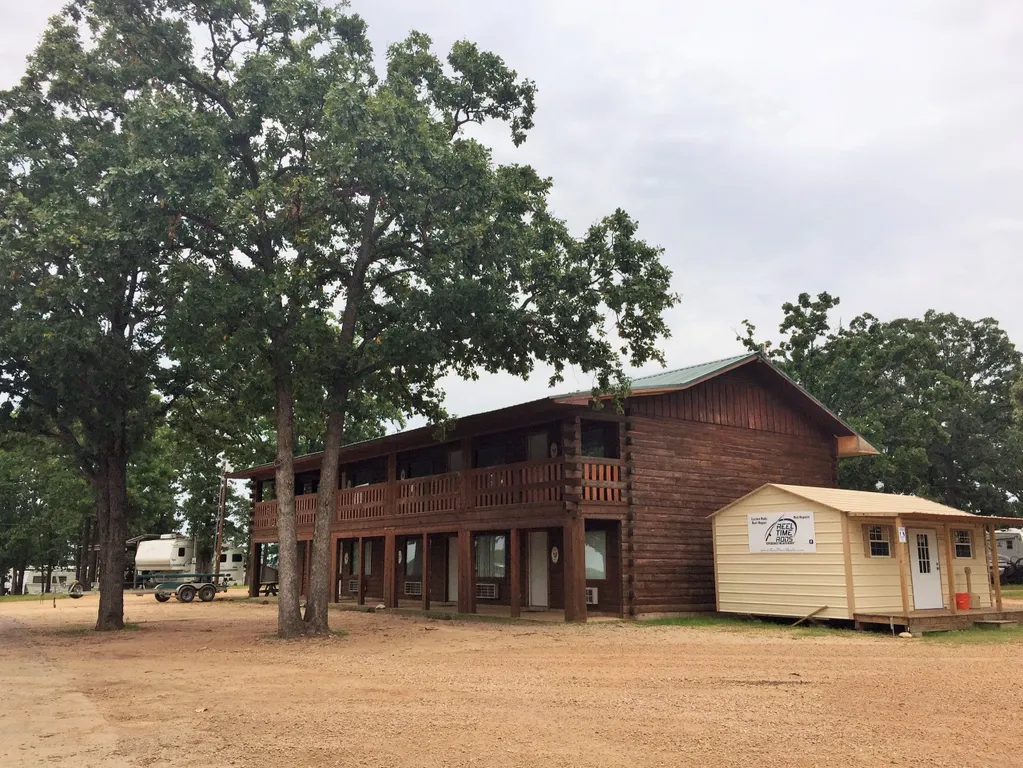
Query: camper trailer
pixel 172 553
pixel 1010 555
pixel 34 582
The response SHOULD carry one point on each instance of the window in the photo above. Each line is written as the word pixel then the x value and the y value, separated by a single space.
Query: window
pixel 1008 544
pixel 879 541
pixel 223 558
pixel 454 460
pixel 236 557
pixel 600 439
pixel 490 556
pixel 491 455
pixel 37 579
pixel 596 554
pixel 413 562
pixel 964 544
pixel 368 569
pixel 538 447
pixel 62 579
pixel 181 551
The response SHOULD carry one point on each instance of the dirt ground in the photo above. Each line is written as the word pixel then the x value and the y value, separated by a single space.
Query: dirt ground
pixel 208 685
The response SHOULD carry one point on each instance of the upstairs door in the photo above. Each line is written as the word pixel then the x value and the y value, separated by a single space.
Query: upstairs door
pixel 923 556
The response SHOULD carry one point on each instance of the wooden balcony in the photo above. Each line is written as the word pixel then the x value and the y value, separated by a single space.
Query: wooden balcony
pixel 526 483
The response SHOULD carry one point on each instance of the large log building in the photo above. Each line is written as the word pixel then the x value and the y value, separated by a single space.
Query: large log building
pixel 555 505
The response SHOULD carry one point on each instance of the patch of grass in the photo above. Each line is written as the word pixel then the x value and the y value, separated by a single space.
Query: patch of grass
pixel 976 636
pixel 1014 591
pixel 723 622
pixel 37 598
pixel 74 631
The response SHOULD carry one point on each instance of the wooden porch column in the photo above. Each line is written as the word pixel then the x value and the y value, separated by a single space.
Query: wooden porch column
pixel 361 596
pixel 335 577
pixel 950 575
pixel 426 572
pixel 993 540
pixel 900 554
pixel 575 569
pixel 515 536
pixel 255 568
pixel 390 565
pixel 466 572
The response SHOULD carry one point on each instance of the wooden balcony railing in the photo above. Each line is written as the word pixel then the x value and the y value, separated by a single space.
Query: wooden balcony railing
pixel 436 493
pixel 602 481
pixel 529 482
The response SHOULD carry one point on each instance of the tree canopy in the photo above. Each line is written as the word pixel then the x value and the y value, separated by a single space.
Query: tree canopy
pixel 933 394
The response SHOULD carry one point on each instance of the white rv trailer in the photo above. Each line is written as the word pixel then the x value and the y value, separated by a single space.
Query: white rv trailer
pixel 172 553
pixel 1010 554
pixel 34 581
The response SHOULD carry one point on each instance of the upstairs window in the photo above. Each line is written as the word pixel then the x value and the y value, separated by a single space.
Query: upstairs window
pixel 879 541
pixel 963 543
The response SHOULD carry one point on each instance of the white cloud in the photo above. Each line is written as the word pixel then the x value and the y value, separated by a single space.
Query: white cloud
pixel 871 149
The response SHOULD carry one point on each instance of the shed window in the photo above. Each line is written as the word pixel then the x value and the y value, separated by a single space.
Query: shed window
pixel 490 556
pixel 879 541
pixel 964 544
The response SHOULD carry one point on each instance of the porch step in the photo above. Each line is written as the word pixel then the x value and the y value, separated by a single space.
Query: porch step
pixel 995 624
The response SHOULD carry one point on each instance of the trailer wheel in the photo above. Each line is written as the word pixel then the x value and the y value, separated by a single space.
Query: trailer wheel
pixel 207 592
pixel 186 594
pixel 76 591
pixel 160 598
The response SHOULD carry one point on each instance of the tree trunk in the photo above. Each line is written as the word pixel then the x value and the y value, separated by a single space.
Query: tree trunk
pixel 111 509
pixel 318 600
pixel 19 581
pixel 289 611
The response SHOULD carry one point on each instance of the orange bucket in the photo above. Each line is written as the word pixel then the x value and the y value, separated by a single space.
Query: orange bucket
pixel 963 601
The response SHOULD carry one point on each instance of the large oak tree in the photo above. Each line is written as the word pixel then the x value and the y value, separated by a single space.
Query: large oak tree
pixel 345 237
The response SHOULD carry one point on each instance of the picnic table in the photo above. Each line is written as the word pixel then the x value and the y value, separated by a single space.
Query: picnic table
pixel 268 588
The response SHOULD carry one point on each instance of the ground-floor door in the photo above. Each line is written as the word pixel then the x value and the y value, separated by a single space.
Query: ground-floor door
pixel 538 571
pixel 923 556
pixel 452 569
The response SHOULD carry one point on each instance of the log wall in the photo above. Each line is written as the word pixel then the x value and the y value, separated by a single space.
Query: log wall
pixel 691 453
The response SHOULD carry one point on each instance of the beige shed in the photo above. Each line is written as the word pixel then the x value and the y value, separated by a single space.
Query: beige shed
pixel 792 550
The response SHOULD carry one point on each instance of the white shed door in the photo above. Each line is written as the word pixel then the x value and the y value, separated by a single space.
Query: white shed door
pixel 923 554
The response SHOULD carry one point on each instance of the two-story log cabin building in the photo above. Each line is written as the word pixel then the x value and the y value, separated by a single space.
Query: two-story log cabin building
pixel 552 504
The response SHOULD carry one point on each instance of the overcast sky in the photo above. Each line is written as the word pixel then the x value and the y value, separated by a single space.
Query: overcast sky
pixel 870 149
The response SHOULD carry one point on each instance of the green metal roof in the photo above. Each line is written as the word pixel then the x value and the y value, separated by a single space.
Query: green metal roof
pixel 680 377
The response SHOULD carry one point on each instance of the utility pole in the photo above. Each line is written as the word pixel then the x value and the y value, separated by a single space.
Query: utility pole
pixel 220 523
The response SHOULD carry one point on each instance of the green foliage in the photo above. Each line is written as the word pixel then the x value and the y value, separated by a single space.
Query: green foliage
pixel 43 501
pixel 933 394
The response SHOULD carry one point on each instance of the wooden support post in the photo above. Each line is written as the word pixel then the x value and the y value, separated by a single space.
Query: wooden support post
pixel 361 595
pixel 255 568
pixel 335 560
pixel 466 572
pixel 575 569
pixel 850 591
pixel 390 570
pixel 391 491
pixel 515 537
pixel 426 571
pixel 900 556
pixel 996 580
pixel 465 475
pixel 950 574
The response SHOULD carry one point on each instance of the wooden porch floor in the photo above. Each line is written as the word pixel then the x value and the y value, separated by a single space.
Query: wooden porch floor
pixel 488 611
pixel 940 620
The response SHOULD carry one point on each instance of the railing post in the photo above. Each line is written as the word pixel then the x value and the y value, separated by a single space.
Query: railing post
pixel 391 491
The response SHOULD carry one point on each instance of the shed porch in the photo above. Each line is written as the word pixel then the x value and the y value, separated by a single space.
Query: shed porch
pixel 940 620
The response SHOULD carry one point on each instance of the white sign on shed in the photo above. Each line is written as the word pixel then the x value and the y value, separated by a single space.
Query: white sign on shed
pixel 785 532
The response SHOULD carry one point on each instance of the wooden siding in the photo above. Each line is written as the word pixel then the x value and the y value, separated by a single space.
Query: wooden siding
pixel 734 399
pixel 780 584
pixel 693 455
pixel 875 579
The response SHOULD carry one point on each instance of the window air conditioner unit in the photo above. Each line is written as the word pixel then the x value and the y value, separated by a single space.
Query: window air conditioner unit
pixel 591 595
pixel 486 591
pixel 353 585
pixel 413 589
